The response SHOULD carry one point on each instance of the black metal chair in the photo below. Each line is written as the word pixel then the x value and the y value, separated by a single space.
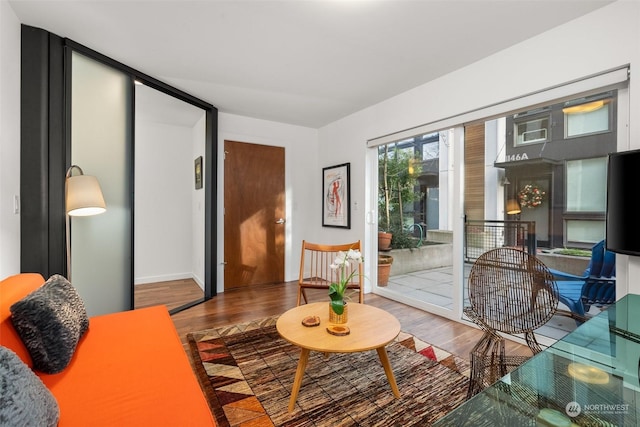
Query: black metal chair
pixel 510 292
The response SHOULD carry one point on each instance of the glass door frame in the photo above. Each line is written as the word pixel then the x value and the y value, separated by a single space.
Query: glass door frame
pixel 455 208
pixel 210 160
pixel 611 79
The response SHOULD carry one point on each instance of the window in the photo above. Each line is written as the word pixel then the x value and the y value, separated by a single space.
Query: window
pixel 586 195
pixel 586 185
pixel 585 117
pixel 502 147
pixel 531 131
pixel 532 126
pixel 431 150
pixel 584 231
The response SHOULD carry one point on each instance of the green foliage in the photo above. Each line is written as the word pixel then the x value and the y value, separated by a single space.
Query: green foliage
pixel 573 252
pixel 337 298
pixel 398 172
pixel 403 240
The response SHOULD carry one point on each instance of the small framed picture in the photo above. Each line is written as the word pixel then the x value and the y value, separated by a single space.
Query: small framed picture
pixel 198 172
pixel 336 195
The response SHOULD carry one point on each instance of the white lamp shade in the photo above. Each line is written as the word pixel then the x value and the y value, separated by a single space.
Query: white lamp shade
pixel 84 196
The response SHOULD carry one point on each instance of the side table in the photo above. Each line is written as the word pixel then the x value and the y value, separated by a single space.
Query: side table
pixel 370 329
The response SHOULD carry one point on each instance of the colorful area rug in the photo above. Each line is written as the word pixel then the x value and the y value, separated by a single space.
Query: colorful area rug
pixel 247 371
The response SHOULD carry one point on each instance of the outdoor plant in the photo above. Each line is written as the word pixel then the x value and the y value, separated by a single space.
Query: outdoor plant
pixel 398 176
pixel 346 264
pixel 403 240
pixel 573 252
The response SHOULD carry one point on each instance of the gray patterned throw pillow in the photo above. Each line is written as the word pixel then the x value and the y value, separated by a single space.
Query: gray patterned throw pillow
pixel 24 399
pixel 50 321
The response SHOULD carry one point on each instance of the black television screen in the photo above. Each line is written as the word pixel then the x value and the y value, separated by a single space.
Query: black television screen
pixel 623 221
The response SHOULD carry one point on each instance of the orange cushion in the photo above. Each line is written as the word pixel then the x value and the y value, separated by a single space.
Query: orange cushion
pixel 13 289
pixel 130 368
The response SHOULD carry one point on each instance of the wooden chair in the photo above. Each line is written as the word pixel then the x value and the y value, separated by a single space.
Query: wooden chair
pixel 316 273
pixel 511 292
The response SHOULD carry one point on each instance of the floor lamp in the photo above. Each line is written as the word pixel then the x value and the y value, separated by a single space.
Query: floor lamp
pixel 83 197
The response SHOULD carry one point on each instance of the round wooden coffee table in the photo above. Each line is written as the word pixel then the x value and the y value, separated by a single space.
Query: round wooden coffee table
pixel 370 329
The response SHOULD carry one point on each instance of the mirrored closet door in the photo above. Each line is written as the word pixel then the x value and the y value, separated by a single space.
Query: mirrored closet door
pixel 169 212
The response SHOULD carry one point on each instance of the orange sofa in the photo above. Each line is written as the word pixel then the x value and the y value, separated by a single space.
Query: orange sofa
pixel 129 368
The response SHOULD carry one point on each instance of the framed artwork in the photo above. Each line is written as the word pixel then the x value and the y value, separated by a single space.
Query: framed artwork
pixel 336 196
pixel 198 171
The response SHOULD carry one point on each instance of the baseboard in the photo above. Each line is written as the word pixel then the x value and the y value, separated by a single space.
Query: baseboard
pixel 163 278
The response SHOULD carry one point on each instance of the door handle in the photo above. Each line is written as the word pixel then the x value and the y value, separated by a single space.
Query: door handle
pixel 280 221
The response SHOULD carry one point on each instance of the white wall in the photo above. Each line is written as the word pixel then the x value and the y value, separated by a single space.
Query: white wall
pixel 602 40
pixel 198 142
pixel 9 140
pixel 303 182
pixel 164 184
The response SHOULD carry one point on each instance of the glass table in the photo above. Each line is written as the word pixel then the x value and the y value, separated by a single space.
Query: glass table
pixel 589 377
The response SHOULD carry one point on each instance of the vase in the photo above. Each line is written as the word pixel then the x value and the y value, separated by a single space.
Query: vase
pixel 338 318
pixel 384 269
pixel 384 241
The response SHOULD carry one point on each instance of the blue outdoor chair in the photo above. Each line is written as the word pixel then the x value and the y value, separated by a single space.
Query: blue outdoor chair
pixel 597 286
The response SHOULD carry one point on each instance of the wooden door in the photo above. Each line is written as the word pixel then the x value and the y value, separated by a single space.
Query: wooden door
pixel 254 208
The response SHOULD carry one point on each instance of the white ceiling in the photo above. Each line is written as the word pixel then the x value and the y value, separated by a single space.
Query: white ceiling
pixel 307 63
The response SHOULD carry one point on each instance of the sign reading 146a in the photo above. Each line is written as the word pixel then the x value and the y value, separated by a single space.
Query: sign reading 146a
pixel 516 157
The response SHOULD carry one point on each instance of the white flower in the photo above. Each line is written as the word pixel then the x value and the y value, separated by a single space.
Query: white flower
pixel 339 261
pixel 342 258
pixel 354 255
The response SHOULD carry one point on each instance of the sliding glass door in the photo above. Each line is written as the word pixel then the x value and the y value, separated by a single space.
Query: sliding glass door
pixel 101 130
pixel 414 196
pixel 531 177
pixel 535 180
pixel 78 110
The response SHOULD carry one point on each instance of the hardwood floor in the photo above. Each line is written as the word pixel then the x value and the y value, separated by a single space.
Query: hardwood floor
pixel 173 294
pixel 241 305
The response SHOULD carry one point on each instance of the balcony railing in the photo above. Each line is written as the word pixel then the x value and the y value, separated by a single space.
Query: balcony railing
pixel 483 235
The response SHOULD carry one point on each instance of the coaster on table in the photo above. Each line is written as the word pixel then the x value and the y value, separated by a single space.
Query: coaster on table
pixel 311 321
pixel 339 330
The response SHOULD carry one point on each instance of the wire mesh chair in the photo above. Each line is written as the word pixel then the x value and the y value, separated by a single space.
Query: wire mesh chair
pixel 512 292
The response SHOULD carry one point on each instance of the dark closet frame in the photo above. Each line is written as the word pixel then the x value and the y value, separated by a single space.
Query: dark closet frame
pixel 45 153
